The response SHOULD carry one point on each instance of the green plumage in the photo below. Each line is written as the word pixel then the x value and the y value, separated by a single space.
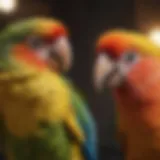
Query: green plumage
pixel 35 103
pixel 52 144
pixel 86 122
pixel 49 139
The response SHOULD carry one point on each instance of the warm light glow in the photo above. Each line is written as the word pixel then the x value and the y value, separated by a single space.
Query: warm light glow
pixel 7 6
pixel 154 35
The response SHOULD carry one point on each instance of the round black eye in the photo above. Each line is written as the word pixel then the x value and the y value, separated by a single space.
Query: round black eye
pixel 129 57
pixel 35 42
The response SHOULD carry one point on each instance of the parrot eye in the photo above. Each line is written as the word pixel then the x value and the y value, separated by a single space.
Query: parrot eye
pixel 41 49
pixel 35 42
pixel 130 57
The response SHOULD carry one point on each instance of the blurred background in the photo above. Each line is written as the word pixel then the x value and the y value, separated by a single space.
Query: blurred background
pixel 86 19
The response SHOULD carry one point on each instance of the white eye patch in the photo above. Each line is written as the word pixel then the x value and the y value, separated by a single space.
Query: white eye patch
pixel 43 52
pixel 127 61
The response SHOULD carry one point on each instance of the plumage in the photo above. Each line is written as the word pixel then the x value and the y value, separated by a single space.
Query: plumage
pixel 134 77
pixel 60 62
pixel 86 122
pixel 35 102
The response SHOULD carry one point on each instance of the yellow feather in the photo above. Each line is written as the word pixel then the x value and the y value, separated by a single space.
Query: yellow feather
pixel 76 152
pixel 32 98
pixel 45 26
pixel 139 41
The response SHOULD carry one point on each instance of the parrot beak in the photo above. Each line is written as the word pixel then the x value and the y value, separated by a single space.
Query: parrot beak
pixel 106 72
pixel 62 51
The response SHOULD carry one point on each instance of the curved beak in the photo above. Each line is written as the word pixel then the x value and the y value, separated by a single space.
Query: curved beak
pixel 107 72
pixel 62 51
pixel 103 66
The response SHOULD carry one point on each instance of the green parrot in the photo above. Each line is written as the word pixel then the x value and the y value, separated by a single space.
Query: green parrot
pixel 37 119
pixel 129 63
pixel 61 62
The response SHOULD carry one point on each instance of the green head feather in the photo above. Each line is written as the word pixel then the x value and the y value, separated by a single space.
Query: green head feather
pixel 11 35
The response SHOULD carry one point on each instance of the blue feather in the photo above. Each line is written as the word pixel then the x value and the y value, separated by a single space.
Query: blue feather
pixel 87 124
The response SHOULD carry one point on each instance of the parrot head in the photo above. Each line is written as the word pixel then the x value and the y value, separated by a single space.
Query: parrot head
pixel 129 63
pixel 37 42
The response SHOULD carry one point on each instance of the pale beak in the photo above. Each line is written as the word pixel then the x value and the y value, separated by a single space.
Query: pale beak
pixel 63 49
pixel 103 66
pixel 107 72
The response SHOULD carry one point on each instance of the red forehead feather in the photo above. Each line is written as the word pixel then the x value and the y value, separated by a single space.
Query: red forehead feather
pixel 57 31
pixel 114 45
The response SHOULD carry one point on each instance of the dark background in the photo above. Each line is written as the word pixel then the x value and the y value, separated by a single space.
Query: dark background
pixel 86 19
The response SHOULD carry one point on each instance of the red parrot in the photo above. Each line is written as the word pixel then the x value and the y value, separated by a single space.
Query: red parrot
pixel 129 63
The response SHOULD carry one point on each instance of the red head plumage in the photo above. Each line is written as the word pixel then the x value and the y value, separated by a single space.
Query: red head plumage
pixel 113 44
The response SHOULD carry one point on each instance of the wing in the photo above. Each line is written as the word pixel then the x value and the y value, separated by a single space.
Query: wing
pixel 87 124
pixel 35 117
pixel 73 126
